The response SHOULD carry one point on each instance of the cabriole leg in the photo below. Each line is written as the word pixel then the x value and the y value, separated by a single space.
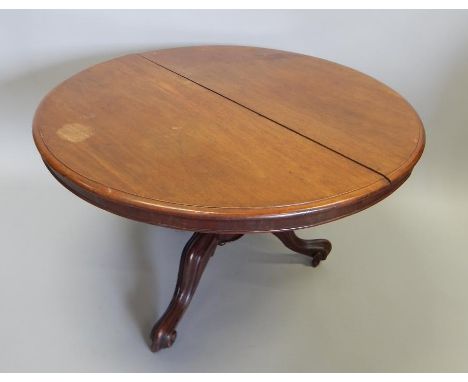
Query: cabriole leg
pixel 194 259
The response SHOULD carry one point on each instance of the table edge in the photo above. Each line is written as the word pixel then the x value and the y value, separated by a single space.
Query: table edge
pixel 217 220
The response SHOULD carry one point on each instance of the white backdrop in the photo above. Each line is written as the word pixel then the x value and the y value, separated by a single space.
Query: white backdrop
pixel 80 288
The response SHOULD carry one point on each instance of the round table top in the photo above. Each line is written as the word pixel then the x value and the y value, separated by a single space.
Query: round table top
pixel 227 138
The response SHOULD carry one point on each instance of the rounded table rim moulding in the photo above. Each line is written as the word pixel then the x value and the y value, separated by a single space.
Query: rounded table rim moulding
pixel 209 222
pixel 200 218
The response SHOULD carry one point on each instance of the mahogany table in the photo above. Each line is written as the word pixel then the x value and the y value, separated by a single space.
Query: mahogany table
pixel 224 141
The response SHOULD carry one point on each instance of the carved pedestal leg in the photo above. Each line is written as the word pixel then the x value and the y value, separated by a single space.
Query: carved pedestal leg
pixel 317 249
pixel 194 258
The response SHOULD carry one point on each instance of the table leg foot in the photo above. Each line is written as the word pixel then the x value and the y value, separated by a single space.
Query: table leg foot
pixel 194 259
pixel 317 249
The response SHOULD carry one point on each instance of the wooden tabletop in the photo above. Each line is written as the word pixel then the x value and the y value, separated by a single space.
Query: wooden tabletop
pixel 227 139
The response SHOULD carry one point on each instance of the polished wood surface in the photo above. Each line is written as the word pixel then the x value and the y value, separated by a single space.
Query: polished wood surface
pixel 224 141
pixel 227 139
pixel 336 106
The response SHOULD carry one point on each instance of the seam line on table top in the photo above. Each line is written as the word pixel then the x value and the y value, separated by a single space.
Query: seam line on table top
pixel 266 117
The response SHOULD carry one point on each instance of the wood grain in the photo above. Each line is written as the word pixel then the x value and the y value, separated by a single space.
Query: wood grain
pixel 139 140
pixel 336 106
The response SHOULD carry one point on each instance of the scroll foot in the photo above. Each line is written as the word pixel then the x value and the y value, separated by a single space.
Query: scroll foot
pixel 317 249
